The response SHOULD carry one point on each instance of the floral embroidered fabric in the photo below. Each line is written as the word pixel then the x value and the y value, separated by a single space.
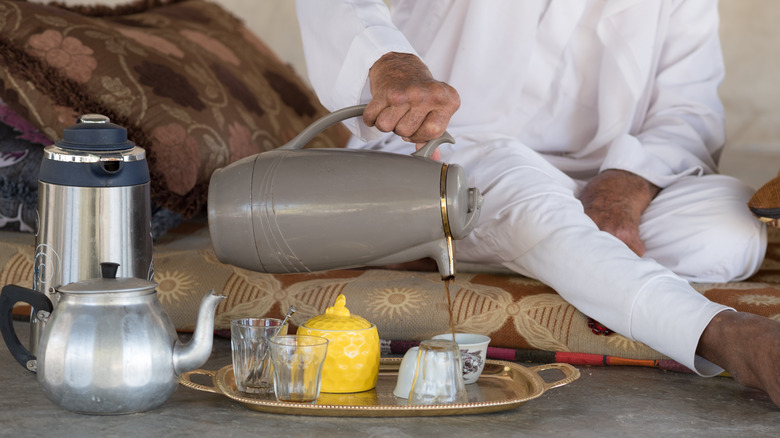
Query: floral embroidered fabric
pixel 191 84
pixel 21 151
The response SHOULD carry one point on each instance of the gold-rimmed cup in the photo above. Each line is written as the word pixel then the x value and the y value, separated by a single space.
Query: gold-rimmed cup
pixel 473 353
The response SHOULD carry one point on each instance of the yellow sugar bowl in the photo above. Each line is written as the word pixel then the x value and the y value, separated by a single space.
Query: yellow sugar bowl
pixel 352 362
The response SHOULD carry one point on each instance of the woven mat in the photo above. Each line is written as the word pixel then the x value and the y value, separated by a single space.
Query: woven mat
pixel 518 313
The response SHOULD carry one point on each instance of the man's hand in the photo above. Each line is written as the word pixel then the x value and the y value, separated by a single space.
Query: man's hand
pixel 615 200
pixel 407 100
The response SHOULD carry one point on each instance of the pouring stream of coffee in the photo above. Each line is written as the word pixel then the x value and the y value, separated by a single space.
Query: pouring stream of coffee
pixel 447 282
pixel 451 278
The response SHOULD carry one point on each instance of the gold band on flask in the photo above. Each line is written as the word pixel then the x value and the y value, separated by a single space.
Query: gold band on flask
pixel 445 217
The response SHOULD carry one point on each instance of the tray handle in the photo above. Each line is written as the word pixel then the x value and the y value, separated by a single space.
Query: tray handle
pixel 186 380
pixel 570 374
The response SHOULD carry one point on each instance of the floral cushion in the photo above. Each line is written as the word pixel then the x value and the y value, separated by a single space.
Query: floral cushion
pixel 190 83
pixel 21 151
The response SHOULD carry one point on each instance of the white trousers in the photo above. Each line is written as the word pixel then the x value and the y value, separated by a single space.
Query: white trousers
pixel 698 229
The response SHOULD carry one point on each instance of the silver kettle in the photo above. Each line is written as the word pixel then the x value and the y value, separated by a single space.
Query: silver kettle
pixel 292 210
pixel 108 347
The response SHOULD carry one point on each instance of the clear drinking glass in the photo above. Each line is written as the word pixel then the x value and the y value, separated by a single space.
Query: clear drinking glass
pixel 298 367
pixel 252 366
pixel 439 375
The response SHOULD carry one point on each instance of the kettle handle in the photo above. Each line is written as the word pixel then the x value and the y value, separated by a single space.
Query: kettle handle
pixel 10 295
pixel 337 116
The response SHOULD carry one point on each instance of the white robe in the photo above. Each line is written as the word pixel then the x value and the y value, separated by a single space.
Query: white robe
pixel 552 93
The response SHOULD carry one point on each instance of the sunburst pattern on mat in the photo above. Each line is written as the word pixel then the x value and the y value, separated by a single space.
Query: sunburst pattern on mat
pixel 173 286
pixel 759 300
pixel 395 302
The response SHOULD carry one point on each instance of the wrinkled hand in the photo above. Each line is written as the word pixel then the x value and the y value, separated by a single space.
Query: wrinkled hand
pixel 615 200
pixel 407 100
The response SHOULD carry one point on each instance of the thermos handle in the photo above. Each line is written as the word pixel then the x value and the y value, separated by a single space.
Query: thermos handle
pixel 331 119
pixel 12 294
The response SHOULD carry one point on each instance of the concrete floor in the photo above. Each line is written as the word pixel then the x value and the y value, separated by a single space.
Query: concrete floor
pixel 615 401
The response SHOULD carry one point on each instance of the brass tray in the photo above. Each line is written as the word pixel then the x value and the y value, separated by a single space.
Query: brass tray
pixel 502 386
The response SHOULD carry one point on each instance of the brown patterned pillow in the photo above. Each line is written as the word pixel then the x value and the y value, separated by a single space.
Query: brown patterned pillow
pixel 190 83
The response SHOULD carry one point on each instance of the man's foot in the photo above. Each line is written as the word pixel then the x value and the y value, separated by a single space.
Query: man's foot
pixel 748 347
pixel 765 203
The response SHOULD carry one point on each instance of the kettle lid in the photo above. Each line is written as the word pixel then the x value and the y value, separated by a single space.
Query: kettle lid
pixel 95 132
pixel 108 283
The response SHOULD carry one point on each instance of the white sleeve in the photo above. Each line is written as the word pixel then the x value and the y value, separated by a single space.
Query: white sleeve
pixel 683 130
pixel 342 39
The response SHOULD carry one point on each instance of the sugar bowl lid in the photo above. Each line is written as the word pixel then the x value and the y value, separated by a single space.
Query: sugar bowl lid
pixel 338 318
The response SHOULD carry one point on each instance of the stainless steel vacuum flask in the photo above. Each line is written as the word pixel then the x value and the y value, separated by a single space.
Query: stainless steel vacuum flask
pixel 93 206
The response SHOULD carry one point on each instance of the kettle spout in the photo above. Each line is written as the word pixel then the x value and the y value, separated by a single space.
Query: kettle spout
pixel 187 357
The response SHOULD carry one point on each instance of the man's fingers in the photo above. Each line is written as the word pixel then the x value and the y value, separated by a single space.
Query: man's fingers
pixel 383 115
pixel 389 117
pixel 413 124
pixel 635 244
pixel 630 237
pixel 623 230
pixel 433 127
pixel 416 125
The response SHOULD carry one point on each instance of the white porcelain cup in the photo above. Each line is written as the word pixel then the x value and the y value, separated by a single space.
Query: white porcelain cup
pixel 406 373
pixel 473 352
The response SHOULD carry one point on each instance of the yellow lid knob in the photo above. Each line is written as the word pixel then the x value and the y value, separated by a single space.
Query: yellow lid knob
pixel 340 308
pixel 338 317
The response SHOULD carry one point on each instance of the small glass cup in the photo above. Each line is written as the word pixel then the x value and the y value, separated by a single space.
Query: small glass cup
pixel 252 367
pixel 298 367
pixel 439 375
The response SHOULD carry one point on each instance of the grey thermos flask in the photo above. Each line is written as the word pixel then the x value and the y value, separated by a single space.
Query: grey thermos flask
pixel 304 210
pixel 93 207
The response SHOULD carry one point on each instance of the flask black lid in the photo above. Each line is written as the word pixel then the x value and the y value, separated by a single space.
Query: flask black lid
pixel 94 153
pixel 95 132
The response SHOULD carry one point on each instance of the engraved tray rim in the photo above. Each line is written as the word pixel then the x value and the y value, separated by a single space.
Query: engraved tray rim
pixel 522 383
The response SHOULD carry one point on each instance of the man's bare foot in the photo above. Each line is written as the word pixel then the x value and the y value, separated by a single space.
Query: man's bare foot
pixel 748 347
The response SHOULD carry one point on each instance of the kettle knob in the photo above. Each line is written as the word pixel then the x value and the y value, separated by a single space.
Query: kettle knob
pixel 108 269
